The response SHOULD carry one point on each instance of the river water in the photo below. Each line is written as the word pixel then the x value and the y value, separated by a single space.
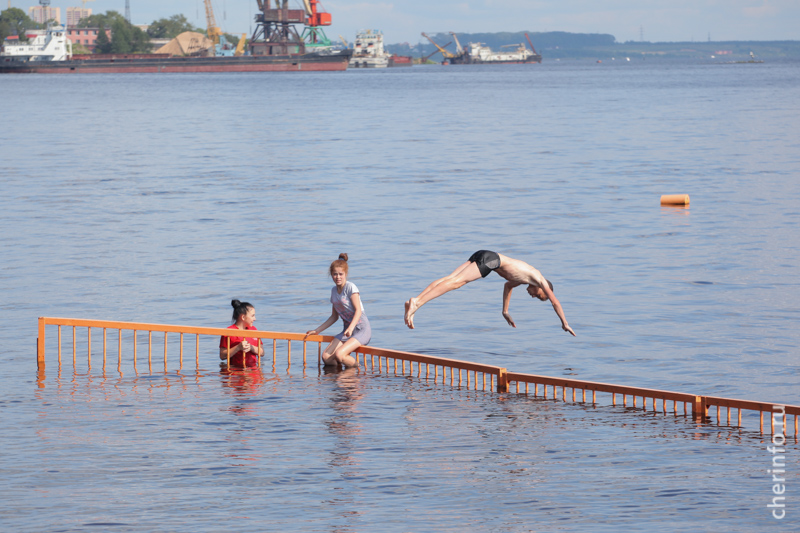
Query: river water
pixel 158 198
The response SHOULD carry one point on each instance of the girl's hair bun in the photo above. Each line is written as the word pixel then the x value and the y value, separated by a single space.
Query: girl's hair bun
pixel 240 308
pixel 343 257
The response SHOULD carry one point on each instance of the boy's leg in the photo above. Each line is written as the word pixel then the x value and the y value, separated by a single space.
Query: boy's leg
pixel 430 287
pixel 461 276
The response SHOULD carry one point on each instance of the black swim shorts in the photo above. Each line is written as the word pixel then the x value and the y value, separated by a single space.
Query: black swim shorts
pixel 486 261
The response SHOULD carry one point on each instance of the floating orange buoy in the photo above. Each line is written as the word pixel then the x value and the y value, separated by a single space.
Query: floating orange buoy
pixel 674 199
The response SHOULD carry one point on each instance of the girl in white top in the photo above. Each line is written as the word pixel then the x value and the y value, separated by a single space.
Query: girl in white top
pixel 345 303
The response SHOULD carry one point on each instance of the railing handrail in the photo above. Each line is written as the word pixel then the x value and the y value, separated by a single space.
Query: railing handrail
pixel 649 393
pixel 192 330
pixel 751 404
pixel 699 403
pixel 601 387
pixel 432 360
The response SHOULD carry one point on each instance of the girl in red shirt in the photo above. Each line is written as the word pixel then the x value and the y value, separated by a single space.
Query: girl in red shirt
pixel 245 351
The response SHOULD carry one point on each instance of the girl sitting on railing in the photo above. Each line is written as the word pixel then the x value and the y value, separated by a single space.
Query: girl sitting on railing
pixel 346 303
pixel 244 351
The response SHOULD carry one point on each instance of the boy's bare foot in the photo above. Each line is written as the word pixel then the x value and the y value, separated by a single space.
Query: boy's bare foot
pixel 411 308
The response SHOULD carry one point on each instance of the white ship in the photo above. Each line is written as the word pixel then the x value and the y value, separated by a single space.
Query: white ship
pixel 476 53
pixel 368 51
pixel 43 45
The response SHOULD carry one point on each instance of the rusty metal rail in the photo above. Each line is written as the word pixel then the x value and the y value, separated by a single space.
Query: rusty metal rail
pixel 460 373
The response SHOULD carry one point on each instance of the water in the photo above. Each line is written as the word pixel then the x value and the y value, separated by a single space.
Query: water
pixel 160 198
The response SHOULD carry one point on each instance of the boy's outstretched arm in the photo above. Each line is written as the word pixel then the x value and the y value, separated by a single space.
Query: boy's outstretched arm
pixel 557 308
pixel 508 286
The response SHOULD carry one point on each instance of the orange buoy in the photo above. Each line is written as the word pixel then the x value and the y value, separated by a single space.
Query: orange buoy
pixel 674 199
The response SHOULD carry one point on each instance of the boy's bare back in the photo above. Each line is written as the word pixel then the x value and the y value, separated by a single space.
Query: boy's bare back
pixel 519 272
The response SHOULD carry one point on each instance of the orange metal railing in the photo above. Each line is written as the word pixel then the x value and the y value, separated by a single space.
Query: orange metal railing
pixel 182 331
pixel 460 373
pixel 699 405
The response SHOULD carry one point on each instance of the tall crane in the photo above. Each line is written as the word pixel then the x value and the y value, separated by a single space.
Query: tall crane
pixel 240 45
pixel 214 33
pixel 425 59
pixel 313 34
pixel 445 53
pixel 221 45
pixel 459 50
pixel 530 43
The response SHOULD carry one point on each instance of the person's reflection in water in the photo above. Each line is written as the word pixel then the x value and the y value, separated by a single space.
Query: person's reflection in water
pixel 241 382
pixel 345 396
pixel 244 385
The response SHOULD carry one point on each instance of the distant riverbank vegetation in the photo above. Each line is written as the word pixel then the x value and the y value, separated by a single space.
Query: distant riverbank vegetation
pixel 125 37
pixel 14 21
pixel 564 45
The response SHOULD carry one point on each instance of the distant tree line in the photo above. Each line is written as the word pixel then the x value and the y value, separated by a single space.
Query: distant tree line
pixel 14 21
pixel 125 37
pixel 169 28
pixel 129 39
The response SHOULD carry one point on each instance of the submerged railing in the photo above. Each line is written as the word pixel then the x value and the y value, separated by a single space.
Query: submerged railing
pixel 461 373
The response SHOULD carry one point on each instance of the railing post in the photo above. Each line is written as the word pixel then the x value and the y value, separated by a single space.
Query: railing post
pixel 699 407
pixel 502 380
pixel 40 345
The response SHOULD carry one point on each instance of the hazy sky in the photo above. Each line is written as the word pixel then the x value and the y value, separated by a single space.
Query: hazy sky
pixel 657 20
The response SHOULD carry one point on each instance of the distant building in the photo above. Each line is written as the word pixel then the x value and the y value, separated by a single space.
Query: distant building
pixel 41 14
pixel 75 14
pixel 85 36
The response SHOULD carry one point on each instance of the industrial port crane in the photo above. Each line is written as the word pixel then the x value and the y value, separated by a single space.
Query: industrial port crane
pixel 221 45
pixel 313 34
pixel 445 53
pixel 212 29
pixel 530 43
pixel 459 50
pixel 425 59
pixel 275 31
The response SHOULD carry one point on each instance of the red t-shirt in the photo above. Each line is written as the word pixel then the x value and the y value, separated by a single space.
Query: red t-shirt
pixel 236 359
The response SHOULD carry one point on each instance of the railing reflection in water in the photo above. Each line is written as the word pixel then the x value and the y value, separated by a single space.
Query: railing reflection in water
pixel 462 374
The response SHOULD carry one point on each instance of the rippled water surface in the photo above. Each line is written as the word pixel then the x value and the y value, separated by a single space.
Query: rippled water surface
pixel 159 198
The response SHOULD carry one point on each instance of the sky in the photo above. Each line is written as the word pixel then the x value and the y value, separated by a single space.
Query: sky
pixel 626 20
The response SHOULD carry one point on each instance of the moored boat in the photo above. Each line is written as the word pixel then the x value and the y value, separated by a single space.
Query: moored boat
pixel 400 61
pixel 477 53
pixel 368 51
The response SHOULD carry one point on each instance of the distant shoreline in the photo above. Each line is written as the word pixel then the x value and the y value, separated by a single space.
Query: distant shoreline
pixel 563 45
